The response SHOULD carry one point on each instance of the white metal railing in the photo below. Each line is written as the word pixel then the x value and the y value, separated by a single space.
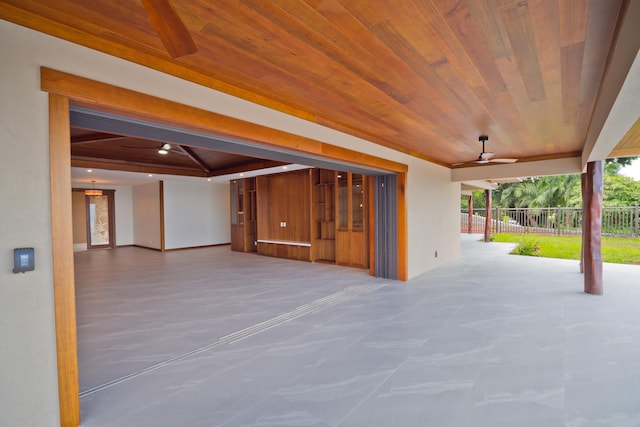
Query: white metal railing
pixel 616 221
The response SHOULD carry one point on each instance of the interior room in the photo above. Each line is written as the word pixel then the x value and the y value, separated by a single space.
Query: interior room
pixel 173 216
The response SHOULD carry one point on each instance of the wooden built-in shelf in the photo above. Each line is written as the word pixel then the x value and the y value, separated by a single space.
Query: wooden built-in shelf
pixel 243 215
pixel 314 215
pixel 323 221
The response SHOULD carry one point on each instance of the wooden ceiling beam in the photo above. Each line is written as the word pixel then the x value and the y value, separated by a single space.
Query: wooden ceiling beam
pixel 93 163
pixel 96 137
pixel 174 34
pixel 246 167
pixel 188 151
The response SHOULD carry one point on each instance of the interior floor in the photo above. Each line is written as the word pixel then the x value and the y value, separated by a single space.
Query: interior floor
pixel 210 337
pixel 138 307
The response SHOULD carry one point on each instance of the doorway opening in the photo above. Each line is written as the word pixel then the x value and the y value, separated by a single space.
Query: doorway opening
pixel 94 225
pixel 65 90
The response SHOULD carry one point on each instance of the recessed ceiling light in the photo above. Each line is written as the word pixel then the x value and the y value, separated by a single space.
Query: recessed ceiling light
pixel 241 174
pixel 209 179
pixel 284 167
pixel 150 175
pixel 89 170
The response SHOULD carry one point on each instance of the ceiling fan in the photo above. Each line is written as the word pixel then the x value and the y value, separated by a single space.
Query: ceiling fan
pixel 173 33
pixel 164 148
pixel 485 156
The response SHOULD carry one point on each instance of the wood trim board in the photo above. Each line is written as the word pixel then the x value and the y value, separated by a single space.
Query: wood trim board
pixel 104 97
pixel 62 258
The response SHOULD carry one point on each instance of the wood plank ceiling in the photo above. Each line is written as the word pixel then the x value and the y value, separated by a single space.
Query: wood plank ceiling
pixel 425 77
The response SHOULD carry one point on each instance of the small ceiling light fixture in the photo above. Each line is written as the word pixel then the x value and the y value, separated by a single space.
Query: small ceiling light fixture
pixel 89 170
pixel 284 167
pixel 150 175
pixel 165 148
pixel 92 191
pixel 209 179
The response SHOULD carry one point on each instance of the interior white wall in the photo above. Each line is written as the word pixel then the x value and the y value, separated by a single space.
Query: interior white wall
pixel 124 214
pixel 28 381
pixel 196 214
pixel 124 211
pixel 146 215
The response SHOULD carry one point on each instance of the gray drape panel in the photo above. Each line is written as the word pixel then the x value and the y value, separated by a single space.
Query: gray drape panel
pixel 386 226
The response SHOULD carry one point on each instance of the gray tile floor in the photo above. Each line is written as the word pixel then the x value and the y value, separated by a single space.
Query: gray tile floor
pixel 487 340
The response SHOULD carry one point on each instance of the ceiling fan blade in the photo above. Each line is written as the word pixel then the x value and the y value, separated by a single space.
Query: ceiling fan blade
pixel 139 147
pixel 172 31
pixel 485 157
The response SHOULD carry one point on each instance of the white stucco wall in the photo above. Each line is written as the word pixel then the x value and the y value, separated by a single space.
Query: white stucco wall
pixel 433 209
pixel 146 215
pixel 28 381
pixel 28 378
pixel 196 214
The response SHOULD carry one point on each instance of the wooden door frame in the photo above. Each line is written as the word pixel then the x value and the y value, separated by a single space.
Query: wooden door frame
pixel 111 200
pixel 67 89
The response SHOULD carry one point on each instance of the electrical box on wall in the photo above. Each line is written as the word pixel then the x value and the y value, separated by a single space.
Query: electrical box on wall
pixel 23 260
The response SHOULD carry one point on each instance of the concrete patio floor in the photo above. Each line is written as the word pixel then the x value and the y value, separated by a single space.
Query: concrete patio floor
pixel 490 339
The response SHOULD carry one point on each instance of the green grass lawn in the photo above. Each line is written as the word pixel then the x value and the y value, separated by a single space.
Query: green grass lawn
pixel 618 250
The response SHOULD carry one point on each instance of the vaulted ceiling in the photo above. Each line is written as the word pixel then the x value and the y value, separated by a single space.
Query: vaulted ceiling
pixel 425 77
pixel 94 149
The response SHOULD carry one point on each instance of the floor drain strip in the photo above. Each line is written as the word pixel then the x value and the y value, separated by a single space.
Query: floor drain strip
pixel 317 305
pixel 303 310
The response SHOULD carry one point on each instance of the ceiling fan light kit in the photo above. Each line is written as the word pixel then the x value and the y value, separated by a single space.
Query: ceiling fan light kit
pixel 164 149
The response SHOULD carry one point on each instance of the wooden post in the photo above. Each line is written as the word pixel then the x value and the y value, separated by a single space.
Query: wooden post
pixel 62 258
pixel 592 220
pixel 470 214
pixel 583 184
pixel 487 222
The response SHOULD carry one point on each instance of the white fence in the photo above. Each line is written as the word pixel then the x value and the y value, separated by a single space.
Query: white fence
pixel 616 221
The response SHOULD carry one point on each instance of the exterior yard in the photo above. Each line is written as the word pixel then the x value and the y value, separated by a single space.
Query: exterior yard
pixel 619 250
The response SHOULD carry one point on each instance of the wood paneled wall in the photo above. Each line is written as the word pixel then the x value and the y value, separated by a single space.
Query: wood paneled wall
pixel 284 198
